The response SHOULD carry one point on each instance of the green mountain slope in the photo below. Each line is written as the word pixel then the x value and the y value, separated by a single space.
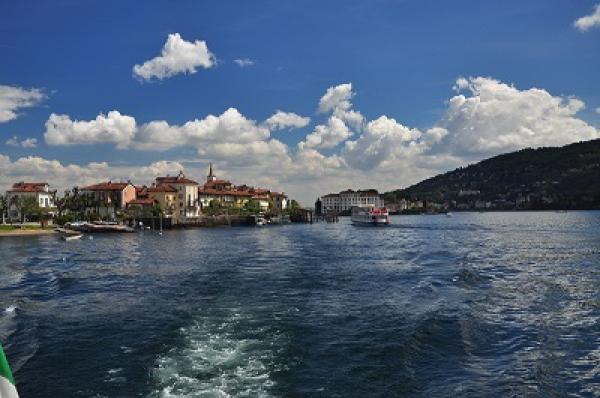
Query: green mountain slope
pixel 545 178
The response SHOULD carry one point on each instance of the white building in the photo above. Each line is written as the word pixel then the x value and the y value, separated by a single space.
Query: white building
pixel 37 190
pixel 346 200
pixel 187 204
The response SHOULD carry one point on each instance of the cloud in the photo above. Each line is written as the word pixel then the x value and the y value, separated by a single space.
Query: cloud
pixel 111 128
pixel 14 98
pixel 272 152
pixel 598 110
pixel 286 120
pixel 383 140
pixel 343 119
pixel 14 141
pixel 336 101
pixel 29 143
pixel 157 135
pixel 327 135
pixel 494 117
pixel 230 126
pixel 243 62
pixel 589 21
pixel 336 97
pixel 26 143
pixel 177 56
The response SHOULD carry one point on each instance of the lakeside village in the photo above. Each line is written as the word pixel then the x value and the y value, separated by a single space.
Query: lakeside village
pixel 171 201
pixel 179 202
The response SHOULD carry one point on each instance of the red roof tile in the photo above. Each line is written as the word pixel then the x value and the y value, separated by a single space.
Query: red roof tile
pixel 141 202
pixel 28 187
pixel 211 191
pixel 162 188
pixel 178 179
pixel 217 182
pixel 107 186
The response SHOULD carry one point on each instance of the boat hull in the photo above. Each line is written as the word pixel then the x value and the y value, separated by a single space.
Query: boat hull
pixel 371 223
pixel 370 220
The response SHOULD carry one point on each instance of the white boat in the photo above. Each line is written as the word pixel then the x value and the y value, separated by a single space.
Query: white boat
pixel 71 237
pixel 259 221
pixel 370 216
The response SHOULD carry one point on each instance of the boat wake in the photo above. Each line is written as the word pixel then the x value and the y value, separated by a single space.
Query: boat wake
pixel 223 356
pixel 10 309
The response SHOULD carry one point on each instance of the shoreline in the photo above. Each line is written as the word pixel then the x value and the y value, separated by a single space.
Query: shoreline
pixel 26 232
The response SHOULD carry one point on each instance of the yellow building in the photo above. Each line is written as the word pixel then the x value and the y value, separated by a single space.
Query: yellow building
pixel 165 196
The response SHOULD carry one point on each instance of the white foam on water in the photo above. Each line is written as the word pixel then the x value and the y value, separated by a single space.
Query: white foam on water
pixel 10 309
pixel 215 361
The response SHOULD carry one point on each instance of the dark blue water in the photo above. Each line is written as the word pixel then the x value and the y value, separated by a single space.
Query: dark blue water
pixel 494 304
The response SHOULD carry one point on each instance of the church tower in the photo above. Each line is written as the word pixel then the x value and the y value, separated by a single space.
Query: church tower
pixel 210 176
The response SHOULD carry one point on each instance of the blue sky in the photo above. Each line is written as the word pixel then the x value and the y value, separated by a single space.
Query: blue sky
pixel 402 58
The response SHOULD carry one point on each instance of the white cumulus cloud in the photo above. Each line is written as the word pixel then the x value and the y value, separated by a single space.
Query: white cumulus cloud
pixel 286 120
pixel 589 21
pixel 29 143
pixel 336 97
pixel 230 126
pixel 111 128
pixel 494 117
pixel 177 56
pixel 26 143
pixel 383 140
pixel 327 135
pixel 14 98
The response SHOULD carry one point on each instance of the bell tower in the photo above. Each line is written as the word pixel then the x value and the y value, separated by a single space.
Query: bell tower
pixel 210 176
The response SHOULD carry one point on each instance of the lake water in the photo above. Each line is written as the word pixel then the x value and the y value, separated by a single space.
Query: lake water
pixel 478 304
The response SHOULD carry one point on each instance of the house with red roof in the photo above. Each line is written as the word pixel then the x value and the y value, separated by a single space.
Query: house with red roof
pixel 40 191
pixel 164 196
pixel 186 206
pixel 107 198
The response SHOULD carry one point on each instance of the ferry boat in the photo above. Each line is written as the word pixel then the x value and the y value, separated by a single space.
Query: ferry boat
pixel 370 216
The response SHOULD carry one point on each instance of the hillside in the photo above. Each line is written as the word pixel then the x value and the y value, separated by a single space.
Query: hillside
pixel 545 178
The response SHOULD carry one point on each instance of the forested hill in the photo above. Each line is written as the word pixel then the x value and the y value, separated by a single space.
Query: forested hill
pixel 554 178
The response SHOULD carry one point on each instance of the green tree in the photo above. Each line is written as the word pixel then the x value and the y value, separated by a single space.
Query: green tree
pixel 252 207
pixel 59 203
pixel 75 200
pixel 293 207
pixel 26 206
pixel 4 207
pixel 156 210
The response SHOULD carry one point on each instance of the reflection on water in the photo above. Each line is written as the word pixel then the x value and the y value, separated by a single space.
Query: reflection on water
pixel 502 304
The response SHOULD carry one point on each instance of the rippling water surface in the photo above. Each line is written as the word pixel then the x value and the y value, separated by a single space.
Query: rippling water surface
pixel 491 304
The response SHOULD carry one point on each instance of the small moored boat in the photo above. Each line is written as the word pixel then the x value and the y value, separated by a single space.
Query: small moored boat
pixel 259 220
pixel 370 216
pixel 71 237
